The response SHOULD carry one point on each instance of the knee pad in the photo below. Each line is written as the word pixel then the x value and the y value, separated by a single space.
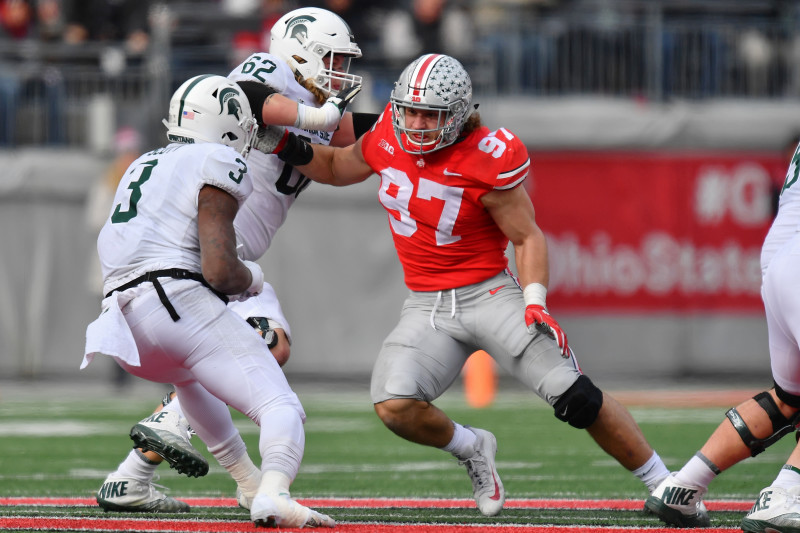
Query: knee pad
pixel 580 404
pixel 780 424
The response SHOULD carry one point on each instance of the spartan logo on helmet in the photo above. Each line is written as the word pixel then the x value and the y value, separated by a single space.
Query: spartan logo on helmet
pixel 297 29
pixel 227 99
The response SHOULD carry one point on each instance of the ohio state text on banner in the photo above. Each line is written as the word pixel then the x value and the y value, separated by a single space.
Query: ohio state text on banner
pixel 658 232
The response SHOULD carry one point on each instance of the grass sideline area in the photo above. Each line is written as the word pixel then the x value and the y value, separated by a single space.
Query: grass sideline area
pixel 60 441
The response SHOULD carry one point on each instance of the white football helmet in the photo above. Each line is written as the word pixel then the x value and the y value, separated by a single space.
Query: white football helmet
pixel 212 109
pixel 305 37
pixel 432 82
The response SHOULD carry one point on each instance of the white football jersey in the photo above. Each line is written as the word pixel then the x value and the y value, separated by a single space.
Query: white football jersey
pixel 276 184
pixel 787 222
pixel 153 220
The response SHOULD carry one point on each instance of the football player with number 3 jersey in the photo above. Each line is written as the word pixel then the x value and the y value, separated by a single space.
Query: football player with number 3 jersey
pixel 170 266
pixel 304 83
pixel 454 193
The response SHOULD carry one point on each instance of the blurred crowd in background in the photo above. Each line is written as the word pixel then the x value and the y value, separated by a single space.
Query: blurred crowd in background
pixel 68 63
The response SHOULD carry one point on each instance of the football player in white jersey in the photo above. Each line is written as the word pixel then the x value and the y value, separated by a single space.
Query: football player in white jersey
pixel 170 265
pixel 304 83
pixel 455 198
pixel 759 422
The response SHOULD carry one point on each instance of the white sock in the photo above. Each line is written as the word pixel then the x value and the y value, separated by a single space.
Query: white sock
pixel 232 455
pixel 788 477
pixel 462 444
pixel 274 483
pixel 137 466
pixel 652 472
pixel 699 471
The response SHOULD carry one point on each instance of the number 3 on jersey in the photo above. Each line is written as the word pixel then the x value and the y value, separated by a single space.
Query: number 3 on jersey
pixel 136 194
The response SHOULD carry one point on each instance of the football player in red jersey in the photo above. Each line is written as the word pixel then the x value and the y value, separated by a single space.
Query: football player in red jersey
pixel 453 191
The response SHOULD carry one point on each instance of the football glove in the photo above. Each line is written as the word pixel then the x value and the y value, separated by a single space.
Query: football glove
pixel 262 327
pixel 270 139
pixel 538 319
pixel 344 97
pixel 285 144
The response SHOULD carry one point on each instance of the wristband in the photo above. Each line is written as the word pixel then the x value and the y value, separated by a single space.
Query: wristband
pixel 257 285
pixel 325 118
pixel 296 151
pixel 535 294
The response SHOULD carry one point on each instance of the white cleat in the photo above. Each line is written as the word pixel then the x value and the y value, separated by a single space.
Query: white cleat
pixel 486 485
pixel 129 495
pixel 167 434
pixel 245 501
pixel 776 510
pixel 282 511
pixel 678 504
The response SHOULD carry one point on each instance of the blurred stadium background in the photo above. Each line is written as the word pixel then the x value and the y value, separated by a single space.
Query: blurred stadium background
pixel 658 131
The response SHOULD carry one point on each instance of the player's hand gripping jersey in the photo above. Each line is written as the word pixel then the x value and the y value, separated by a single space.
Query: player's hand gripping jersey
pixel 276 184
pixel 443 234
pixel 155 227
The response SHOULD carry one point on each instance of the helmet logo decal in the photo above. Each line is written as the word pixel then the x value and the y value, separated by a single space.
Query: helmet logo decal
pixel 298 28
pixel 227 100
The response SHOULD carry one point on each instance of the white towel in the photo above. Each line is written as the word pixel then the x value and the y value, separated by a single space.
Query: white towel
pixel 110 334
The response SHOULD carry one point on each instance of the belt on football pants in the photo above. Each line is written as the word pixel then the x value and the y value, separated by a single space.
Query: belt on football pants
pixel 175 273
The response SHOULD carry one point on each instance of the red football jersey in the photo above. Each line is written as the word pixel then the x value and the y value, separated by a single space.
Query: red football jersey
pixel 444 236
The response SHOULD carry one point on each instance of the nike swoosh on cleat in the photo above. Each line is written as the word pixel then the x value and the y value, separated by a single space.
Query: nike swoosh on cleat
pixel 496 495
pixel 494 291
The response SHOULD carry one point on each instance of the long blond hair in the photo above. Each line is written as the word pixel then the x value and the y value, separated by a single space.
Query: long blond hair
pixel 309 85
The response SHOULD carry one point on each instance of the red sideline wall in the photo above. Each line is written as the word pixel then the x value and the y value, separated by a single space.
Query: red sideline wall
pixel 655 231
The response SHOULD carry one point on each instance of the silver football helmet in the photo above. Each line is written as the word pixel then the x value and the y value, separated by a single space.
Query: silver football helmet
pixel 212 109
pixel 433 82
pixel 305 37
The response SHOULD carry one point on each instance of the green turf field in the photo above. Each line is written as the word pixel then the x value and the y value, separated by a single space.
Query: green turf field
pixel 65 446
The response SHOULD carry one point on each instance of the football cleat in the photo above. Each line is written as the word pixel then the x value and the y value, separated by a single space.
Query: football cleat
pixel 244 501
pixel 678 504
pixel 166 433
pixel 129 495
pixel 282 511
pixel 486 485
pixel 776 510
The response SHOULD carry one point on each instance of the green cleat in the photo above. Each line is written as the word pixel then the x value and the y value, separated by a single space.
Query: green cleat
pixel 166 433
